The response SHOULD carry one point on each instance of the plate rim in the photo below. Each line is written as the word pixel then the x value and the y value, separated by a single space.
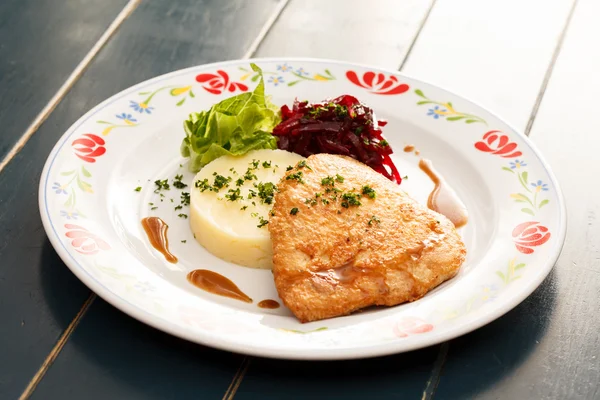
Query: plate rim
pixel 369 351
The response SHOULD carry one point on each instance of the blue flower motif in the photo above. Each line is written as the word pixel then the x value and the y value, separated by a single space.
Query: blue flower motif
pixel 517 164
pixel 69 214
pixel 276 80
pixel 58 188
pixel 436 112
pixel 489 293
pixel 301 71
pixel 539 186
pixel 126 117
pixel 141 107
pixel 284 67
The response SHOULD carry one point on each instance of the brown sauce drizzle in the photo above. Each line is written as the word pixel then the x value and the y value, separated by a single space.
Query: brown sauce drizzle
pixel 271 304
pixel 408 148
pixel 215 283
pixel 443 198
pixel 156 230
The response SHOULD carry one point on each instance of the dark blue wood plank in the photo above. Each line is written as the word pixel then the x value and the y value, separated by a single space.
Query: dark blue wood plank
pixel 111 355
pixel 402 376
pixel 38 295
pixel 41 43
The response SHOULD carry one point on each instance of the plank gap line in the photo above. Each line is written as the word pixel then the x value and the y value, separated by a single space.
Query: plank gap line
pixel 265 29
pixel 237 379
pixel 436 372
pixel 57 349
pixel 548 74
pixel 417 34
pixel 71 80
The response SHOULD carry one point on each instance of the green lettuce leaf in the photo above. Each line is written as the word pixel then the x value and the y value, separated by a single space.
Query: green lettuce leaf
pixel 232 127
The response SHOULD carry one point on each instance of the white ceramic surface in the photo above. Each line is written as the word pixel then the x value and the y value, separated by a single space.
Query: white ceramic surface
pixel 92 213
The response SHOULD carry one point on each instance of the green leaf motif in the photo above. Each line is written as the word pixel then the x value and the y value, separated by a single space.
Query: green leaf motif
pixel 293 83
pixel 519 266
pixel 419 103
pixel 192 95
pixel 449 104
pixel 255 78
pixel 419 93
pixel 67 173
pixel 455 118
pixel 470 121
pixel 543 203
pixel 508 169
pixel 501 275
pixel 328 73
pixel 528 211
pixel 180 102
pixel 524 175
pixel 85 172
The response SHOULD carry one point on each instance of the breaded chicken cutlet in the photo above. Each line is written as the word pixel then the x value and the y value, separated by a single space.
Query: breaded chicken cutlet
pixel 345 238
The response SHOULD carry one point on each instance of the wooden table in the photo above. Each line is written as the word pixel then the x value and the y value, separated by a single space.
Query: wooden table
pixel 533 62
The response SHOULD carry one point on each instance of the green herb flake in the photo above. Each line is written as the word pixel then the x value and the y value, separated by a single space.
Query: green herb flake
pixel 184 241
pixel 369 191
pixel 177 183
pixel 161 185
pixel 327 181
pixel 302 164
pixel 203 185
pixel 384 143
pixel 234 195
pixel 154 208
pixel 185 198
pixel 374 219
pixel 266 191
pixel 266 164
pixel 294 211
pixel 339 178
pixel 289 168
pixel 244 208
pixel 350 199
pixel 251 194
pixel 137 189
pixel 262 222
pixel 220 182
pixel 405 177
pixel 179 207
pixel 297 176
pixel 184 216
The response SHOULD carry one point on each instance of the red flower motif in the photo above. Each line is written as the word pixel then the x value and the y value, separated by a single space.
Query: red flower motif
pixel 411 326
pixel 219 82
pixel 378 83
pixel 84 241
pixel 91 146
pixel 503 148
pixel 529 234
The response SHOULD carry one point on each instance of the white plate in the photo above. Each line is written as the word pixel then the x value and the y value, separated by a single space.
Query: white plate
pixel 92 214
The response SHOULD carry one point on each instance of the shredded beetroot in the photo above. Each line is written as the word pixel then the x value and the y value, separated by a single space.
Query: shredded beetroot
pixel 341 126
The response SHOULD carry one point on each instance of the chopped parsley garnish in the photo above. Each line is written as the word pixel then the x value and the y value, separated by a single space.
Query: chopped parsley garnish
pixel 254 215
pixel 405 177
pixel 297 176
pixel 184 241
pixel 161 185
pixel 358 130
pixel 251 194
pixel 249 175
pixel 233 195
pixel 243 208
pixel 185 198
pixel 294 211
pixel 266 191
pixel 255 164
pixel 203 185
pixel 221 182
pixel 272 212
pixel 266 164
pixel 302 164
pixel 154 208
pixel 289 168
pixel 312 202
pixel 262 222
pixel 327 181
pixel 384 143
pixel 239 182
pixel 350 199
pixel 179 207
pixel 232 170
pixel 339 178
pixel 137 189
pixel 369 191
pixel 325 201
pixel 184 216
pixel 178 183
pixel 374 219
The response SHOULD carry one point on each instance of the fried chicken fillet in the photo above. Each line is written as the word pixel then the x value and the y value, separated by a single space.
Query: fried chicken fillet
pixel 330 260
